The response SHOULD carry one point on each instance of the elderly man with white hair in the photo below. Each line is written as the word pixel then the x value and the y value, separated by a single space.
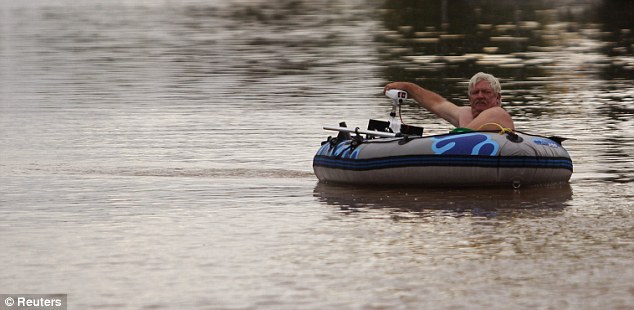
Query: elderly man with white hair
pixel 484 112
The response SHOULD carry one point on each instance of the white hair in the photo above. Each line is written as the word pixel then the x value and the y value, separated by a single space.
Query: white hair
pixel 481 76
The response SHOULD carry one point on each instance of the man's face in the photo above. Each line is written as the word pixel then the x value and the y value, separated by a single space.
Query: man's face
pixel 483 97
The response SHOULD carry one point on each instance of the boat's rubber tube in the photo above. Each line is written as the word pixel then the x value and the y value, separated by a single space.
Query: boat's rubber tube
pixel 462 159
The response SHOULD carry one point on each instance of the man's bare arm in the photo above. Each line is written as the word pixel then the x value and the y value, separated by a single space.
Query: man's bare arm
pixel 430 100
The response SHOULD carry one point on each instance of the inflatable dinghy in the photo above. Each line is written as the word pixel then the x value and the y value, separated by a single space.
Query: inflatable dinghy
pixel 472 158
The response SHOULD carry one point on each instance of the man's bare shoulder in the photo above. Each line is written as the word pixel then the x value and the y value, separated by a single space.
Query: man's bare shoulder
pixel 496 115
pixel 495 110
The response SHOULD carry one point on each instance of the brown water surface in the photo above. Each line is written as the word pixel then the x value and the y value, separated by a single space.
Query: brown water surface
pixel 157 154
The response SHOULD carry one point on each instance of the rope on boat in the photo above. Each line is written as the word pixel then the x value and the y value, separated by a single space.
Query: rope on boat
pixel 503 129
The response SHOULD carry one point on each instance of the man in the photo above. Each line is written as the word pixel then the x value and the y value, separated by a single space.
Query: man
pixel 484 112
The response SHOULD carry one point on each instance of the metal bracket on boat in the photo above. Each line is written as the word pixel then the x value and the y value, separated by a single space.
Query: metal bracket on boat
pixel 332 141
pixel 357 139
pixel 342 136
pixel 406 138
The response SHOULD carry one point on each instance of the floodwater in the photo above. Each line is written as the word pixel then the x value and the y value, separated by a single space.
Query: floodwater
pixel 157 154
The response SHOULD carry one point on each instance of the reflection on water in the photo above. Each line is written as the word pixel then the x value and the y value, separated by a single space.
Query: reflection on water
pixel 457 202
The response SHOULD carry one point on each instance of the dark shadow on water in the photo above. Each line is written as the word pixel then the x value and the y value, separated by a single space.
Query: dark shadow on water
pixel 480 202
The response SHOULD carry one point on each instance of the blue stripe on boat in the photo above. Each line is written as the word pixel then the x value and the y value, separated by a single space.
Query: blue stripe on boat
pixel 435 160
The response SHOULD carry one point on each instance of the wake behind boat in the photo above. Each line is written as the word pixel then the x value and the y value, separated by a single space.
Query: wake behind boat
pixel 472 158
